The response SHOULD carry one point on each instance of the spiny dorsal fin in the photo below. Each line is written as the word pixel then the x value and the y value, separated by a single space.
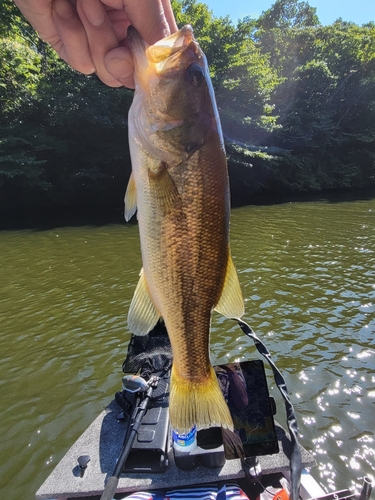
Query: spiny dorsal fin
pixel 231 302
pixel 130 199
pixel 143 315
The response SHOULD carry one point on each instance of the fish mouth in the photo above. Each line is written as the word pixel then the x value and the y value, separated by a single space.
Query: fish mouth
pixel 173 52
pixel 171 44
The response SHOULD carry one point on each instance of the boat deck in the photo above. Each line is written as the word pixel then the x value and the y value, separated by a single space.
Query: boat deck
pixel 103 441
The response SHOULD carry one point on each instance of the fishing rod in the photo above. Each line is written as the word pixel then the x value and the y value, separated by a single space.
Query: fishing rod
pixel 136 386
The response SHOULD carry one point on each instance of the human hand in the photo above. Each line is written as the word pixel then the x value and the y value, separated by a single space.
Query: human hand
pixel 90 35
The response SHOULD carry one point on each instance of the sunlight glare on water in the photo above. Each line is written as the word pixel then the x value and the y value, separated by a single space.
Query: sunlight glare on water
pixel 310 295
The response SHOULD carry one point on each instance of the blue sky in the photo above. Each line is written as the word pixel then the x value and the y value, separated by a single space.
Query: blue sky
pixel 357 11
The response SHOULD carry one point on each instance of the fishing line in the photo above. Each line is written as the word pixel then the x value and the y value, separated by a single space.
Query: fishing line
pixel 295 458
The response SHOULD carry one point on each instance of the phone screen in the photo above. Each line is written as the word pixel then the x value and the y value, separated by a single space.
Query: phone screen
pixel 245 389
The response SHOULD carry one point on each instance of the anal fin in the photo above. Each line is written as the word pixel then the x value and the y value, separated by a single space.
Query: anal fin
pixel 143 315
pixel 231 304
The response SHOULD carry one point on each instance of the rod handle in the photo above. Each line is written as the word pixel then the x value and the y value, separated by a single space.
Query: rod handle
pixel 110 488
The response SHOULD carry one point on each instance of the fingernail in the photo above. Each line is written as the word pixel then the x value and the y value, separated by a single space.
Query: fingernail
pixel 63 9
pixel 94 13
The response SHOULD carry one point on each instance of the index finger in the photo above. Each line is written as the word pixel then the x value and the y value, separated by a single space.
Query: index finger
pixel 153 19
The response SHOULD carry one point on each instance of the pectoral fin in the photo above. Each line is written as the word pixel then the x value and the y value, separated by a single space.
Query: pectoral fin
pixel 130 199
pixel 231 302
pixel 164 191
pixel 143 315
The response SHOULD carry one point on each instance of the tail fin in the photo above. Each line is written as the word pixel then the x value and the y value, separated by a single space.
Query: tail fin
pixel 197 403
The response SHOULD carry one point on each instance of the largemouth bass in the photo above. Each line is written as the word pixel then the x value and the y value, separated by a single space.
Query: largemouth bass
pixel 179 186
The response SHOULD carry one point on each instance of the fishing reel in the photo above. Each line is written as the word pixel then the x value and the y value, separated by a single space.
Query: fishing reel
pixel 132 385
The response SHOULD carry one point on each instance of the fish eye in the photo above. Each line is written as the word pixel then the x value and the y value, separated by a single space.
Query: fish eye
pixel 194 74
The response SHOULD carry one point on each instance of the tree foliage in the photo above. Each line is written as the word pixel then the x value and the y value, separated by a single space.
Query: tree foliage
pixel 296 100
pixel 286 14
pixel 326 108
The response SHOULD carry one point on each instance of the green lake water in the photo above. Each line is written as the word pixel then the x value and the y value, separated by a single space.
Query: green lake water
pixel 307 272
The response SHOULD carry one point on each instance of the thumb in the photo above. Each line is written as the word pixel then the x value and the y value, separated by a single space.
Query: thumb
pixel 119 63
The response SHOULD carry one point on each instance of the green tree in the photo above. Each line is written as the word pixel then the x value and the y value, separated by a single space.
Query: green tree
pixel 285 14
pixel 12 23
pixel 19 75
pixel 277 33
pixel 19 80
pixel 326 109
pixel 63 136
pixel 296 100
